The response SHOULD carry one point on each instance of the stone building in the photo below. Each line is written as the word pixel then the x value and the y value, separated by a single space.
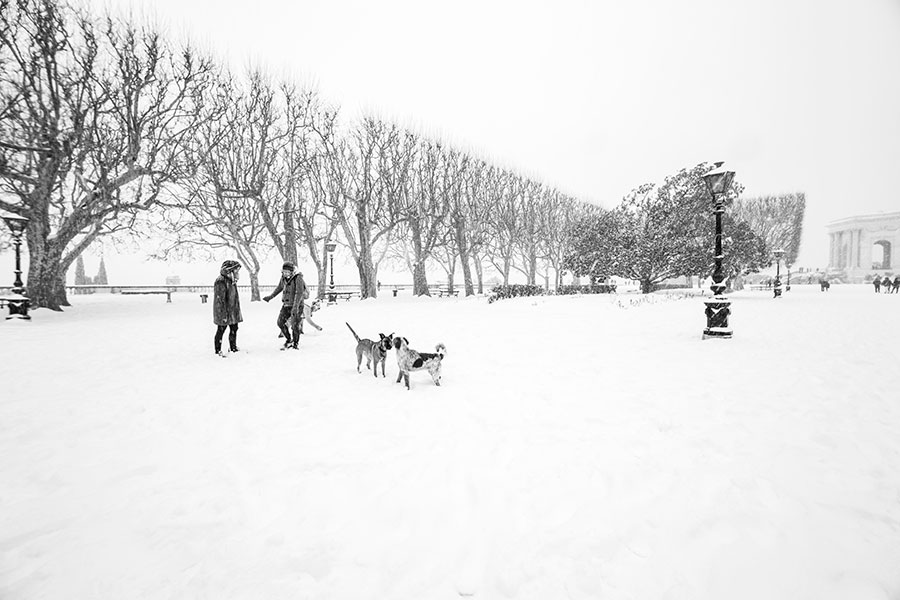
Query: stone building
pixel 864 246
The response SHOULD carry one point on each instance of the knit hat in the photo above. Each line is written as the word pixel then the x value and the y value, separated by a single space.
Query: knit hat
pixel 228 266
pixel 287 266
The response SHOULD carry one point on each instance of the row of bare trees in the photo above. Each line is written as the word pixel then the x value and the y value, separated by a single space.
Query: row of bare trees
pixel 278 170
pixel 106 126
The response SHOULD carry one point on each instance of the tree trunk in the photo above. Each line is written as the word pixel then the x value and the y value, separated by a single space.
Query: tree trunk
pixel 479 273
pixel 367 282
pixel 420 280
pixel 322 271
pixel 290 233
pixel 460 235
pixel 364 263
pixel 532 269
pixel 451 276
pixel 46 286
pixel 254 286
pixel 646 286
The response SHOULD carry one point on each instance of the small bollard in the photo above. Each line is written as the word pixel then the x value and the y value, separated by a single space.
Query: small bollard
pixel 203 298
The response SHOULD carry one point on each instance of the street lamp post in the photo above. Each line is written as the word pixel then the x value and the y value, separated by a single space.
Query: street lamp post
pixel 330 247
pixel 18 302
pixel 787 286
pixel 778 254
pixel 718 308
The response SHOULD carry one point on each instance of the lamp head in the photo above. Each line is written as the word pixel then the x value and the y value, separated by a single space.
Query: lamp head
pixel 718 180
pixel 330 246
pixel 778 253
pixel 16 223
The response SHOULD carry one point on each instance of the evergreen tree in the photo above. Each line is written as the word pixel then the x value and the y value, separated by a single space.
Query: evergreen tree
pixel 100 279
pixel 778 220
pixel 79 271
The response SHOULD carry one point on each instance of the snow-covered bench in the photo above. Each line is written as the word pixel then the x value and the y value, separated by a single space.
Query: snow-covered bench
pixel 166 292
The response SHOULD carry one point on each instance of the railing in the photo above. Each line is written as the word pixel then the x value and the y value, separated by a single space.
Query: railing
pixel 207 289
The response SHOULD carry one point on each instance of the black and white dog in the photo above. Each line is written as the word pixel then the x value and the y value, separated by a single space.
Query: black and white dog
pixel 410 360
pixel 373 351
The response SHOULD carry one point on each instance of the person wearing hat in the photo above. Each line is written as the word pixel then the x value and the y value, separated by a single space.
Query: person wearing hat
pixel 226 306
pixel 292 289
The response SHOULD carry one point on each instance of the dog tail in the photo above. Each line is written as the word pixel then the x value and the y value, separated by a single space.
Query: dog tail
pixel 351 331
pixel 440 350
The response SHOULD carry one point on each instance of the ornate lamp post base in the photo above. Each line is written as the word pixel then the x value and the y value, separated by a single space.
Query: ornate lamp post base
pixel 717 311
pixel 18 308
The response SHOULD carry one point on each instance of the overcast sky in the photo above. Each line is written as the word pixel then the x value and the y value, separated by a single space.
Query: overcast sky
pixel 598 97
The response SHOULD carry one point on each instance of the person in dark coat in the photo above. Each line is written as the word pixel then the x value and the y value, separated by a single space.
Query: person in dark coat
pixel 292 289
pixel 226 306
pixel 886 285
pixel 896 287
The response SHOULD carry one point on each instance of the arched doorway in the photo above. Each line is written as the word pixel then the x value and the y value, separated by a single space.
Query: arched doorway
pixel 881 255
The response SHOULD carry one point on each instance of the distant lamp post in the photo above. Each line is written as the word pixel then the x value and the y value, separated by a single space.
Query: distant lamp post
pixel 718 308
pixel 787 285
pixel 330 247
pixel 18 302
pixel 778 254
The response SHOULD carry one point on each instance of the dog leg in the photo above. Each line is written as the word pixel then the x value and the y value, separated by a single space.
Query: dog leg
pixel 311 322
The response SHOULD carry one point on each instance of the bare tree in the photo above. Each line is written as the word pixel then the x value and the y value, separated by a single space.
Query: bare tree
pixel 526 245
pixel 362 205
pixel 301 184
pixel 220 207
pixel 503 192
pixel 557 217
pixel 95 121
pixel 426 209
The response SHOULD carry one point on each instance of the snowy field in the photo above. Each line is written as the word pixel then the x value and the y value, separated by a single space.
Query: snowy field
pixel 579 447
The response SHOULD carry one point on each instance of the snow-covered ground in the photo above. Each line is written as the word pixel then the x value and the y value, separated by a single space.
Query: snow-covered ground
pixel 579 447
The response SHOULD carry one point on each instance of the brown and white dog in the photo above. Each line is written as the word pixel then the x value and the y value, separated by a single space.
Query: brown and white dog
pixel 410 360
pixel 373 351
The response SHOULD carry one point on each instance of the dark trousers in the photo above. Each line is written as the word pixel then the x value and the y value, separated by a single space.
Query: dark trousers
pixel 232 336
pixel 283 317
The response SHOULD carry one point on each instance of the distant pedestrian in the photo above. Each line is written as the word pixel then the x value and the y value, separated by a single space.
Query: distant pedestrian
pixel 824 285
pixel 226 306
pixel 292 289
pixel 895 288
pixel 886 285
pixel 877 283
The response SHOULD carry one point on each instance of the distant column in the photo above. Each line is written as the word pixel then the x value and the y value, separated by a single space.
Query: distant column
pixel 830 250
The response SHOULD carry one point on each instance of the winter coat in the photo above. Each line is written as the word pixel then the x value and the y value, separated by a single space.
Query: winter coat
pixel 226 302
pixel 292 290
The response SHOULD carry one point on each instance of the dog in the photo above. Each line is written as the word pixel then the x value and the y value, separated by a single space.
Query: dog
pixel 374 352
pixel 410 360
pixel 308 310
